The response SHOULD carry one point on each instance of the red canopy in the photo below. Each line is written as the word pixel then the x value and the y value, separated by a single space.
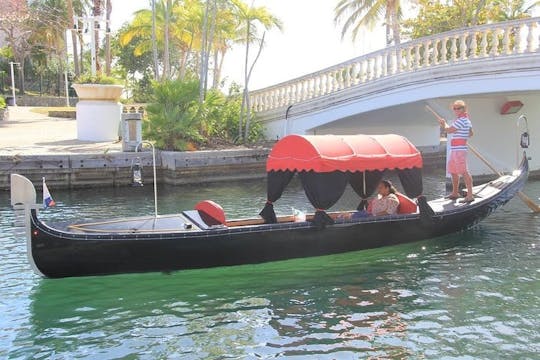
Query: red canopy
pixel 327 153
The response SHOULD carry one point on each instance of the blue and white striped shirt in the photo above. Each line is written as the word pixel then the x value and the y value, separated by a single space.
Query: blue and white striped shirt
pixel 459 139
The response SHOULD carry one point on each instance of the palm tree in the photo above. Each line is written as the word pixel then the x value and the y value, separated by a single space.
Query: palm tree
pixel 250 19
pixel 358 14
pixel 108 57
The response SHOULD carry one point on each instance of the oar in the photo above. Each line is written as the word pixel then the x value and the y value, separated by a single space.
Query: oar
pixel 530 204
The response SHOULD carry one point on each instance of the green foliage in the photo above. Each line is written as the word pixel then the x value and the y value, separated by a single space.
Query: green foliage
pixel 438 16
pixel 173 120
pixel 96 79
pixel 2 102
pixel 142 89
pixel 177 121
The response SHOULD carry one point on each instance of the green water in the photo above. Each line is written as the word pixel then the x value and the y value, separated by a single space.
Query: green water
pixel 473 295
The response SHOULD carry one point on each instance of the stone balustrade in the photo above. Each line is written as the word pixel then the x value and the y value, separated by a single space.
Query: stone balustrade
pixel 504 39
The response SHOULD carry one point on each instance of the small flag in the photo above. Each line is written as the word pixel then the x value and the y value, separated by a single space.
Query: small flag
pixel 47 198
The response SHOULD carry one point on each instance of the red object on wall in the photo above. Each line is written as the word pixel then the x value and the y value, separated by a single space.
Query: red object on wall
pixel 511 107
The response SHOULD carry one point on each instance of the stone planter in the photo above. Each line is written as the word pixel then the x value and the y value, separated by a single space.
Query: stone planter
pixel 98 111
pixel 98 92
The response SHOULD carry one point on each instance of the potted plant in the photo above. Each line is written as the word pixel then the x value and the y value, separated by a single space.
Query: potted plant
pixel 3 109
pixel 97 87
pixel 98 110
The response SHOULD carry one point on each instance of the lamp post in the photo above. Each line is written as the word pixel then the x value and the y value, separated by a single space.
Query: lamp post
pixel 141 144
pixel 12 65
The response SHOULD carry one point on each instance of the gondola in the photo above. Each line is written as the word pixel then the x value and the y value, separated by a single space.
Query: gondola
pixel 204 238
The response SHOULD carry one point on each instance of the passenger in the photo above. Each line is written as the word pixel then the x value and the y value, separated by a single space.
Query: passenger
pixel 461 130
pixel 386 203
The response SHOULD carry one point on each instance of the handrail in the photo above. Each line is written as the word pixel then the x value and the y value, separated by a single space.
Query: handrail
pixel 457 46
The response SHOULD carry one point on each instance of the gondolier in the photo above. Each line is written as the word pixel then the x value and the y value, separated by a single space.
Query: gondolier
pixel 461 130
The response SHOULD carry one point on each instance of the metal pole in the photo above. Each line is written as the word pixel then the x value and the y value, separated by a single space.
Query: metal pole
pixel 66 72
pixel 155 175
pixel 11 64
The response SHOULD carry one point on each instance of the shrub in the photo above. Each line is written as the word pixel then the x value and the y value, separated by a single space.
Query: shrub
pixel 2 102
pixel 173 121
pixel 96 79
pixel 177 121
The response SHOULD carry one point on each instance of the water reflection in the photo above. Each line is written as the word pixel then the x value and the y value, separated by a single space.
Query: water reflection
pixel 471 294
pixel 322 306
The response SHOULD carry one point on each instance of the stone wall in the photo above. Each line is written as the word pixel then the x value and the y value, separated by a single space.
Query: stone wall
pixel 44 101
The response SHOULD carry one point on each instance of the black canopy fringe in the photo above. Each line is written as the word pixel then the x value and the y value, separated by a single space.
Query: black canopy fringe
pixel 268 214
pixel 321 219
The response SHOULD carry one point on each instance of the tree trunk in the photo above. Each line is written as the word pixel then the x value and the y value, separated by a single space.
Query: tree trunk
pixel 81 49
pixel 216 74
pixel 387 26
pixel 248 100
pixel 21 76
pixel 154 42
pixel 210 42
pixel 166 57
pixel 204 43
pixel 108 59
pixel 246 90
pixel 396 30
pixel 97 13
pixel 71 22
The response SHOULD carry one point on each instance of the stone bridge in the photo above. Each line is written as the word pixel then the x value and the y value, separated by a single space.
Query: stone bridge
pixel 387 90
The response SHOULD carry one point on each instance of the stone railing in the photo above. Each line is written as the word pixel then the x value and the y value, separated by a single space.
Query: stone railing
pixel 454 47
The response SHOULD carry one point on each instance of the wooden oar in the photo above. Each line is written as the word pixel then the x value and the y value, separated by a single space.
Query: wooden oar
pixel 530 204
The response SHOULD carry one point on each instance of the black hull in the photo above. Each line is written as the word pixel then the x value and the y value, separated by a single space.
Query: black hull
pixel 58 253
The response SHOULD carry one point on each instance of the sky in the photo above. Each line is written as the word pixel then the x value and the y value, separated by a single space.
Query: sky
pixel 310 41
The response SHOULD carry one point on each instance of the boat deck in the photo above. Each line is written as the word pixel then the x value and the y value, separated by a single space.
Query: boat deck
pixel 190 221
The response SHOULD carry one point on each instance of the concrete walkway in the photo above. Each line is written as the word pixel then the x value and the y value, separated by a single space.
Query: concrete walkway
pixel 30 133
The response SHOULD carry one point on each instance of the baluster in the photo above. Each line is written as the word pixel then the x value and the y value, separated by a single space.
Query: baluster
pixel 435 56
pixel 318 85
pixel 305 89
pixel 361 71
pixel 322 83
pixel 309 89
pixel 392 62
pixel 426 53
pixel 354 74
pixel 453 49
pixel 376 68
pixel 484 44
pixel 368 70
pixel 517 40
pixel 494 43
pixel 408 61
pixel 506 40
pixel 473 46
pixel 417 63
pixel 339 79
pixel 530 37
pixel 444 55
pixel 463 46
pixel 285 97
pixel 384 60
pixel 399 57
pixel 538 44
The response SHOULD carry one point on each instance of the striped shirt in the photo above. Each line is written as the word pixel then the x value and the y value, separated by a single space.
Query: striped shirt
pixel 463 127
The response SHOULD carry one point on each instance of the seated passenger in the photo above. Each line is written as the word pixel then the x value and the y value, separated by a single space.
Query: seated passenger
pixel 386 203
